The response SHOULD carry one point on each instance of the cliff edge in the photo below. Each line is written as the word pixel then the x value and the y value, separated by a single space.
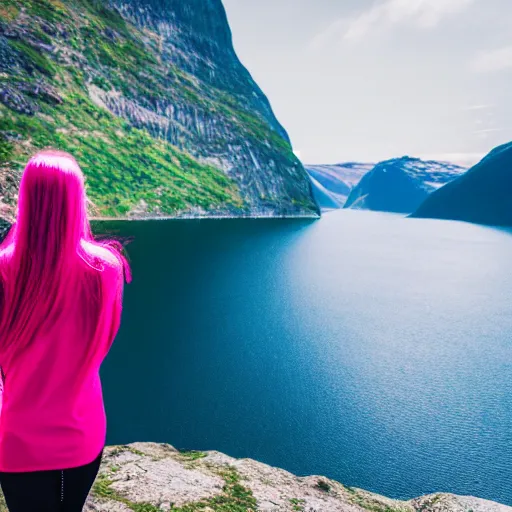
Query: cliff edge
pixel 150 477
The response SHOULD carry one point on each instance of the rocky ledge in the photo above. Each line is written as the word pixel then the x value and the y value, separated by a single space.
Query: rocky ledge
pixel 149 477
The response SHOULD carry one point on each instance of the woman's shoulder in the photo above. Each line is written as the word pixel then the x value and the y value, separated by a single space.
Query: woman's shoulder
pixel 6 251
pixel 5 256
pixel 103 258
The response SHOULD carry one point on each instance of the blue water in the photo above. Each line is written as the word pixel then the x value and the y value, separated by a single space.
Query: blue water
pixel 369 348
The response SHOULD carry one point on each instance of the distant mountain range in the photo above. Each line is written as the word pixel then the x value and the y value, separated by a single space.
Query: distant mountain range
pixel 482 195
pixel 400 185
pixel 332 183
pixel 396 185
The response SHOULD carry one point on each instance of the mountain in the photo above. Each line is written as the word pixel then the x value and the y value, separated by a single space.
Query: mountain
pixel 332 183
pixel 401 184
pixel 482 195
pixel 151 98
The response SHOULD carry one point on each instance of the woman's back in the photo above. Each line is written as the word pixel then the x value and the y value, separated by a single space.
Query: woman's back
pixel 60 307
pixel 52 412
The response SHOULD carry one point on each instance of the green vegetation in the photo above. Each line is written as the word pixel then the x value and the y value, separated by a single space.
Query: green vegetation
pixel 8 12
pixel 34 57
pixel 102 489
pixel 234 498
pixel 323 485
pixel 126 448
pixel 298 504
pixel 192 454
pixel 123 165
pixel 49 10
pixel 5 149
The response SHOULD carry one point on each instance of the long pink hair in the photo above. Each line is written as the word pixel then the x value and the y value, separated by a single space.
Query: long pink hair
pixel 50 259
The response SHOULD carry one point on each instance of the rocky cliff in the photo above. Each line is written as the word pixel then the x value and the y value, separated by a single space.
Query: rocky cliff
pixel 151 98
pixel 482 195
pixel 148 477
pixel 400 185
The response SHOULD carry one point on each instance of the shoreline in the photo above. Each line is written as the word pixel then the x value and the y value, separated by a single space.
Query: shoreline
pixel 202 217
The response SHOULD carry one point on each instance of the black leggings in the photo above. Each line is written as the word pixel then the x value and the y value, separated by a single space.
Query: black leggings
pixel 49 491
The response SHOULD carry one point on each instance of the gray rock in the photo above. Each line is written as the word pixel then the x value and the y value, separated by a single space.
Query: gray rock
pixel 150 476
pixel 17 101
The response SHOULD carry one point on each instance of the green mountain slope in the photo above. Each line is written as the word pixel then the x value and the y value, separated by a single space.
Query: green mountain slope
pixel 151 99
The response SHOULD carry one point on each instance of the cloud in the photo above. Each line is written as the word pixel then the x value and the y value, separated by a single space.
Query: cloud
pixel 333 31
pixel 482 106
pixel 488 130
pixel 487 133
pixel 421 13
pixel 493 60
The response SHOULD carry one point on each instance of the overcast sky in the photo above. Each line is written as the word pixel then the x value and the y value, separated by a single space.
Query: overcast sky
pixel 367 80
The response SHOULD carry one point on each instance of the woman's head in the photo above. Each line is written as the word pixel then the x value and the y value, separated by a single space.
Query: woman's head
pixel 51 205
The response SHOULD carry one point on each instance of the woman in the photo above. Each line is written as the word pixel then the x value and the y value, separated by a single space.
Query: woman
pixel 60 309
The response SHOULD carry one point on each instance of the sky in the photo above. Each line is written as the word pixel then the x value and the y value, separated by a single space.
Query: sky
pixel 367 80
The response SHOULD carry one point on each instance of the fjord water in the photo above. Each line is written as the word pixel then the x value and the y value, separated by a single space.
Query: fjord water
pixel 369 348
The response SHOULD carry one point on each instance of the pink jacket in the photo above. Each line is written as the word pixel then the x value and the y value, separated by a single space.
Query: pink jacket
pixel 52 413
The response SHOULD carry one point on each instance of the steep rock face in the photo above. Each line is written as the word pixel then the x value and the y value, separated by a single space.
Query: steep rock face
pixel 156 477
pixel 151 98
pixel 400 185
pixel 482 195
pixel 326 199
pixel 198 40
pixel 337 181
